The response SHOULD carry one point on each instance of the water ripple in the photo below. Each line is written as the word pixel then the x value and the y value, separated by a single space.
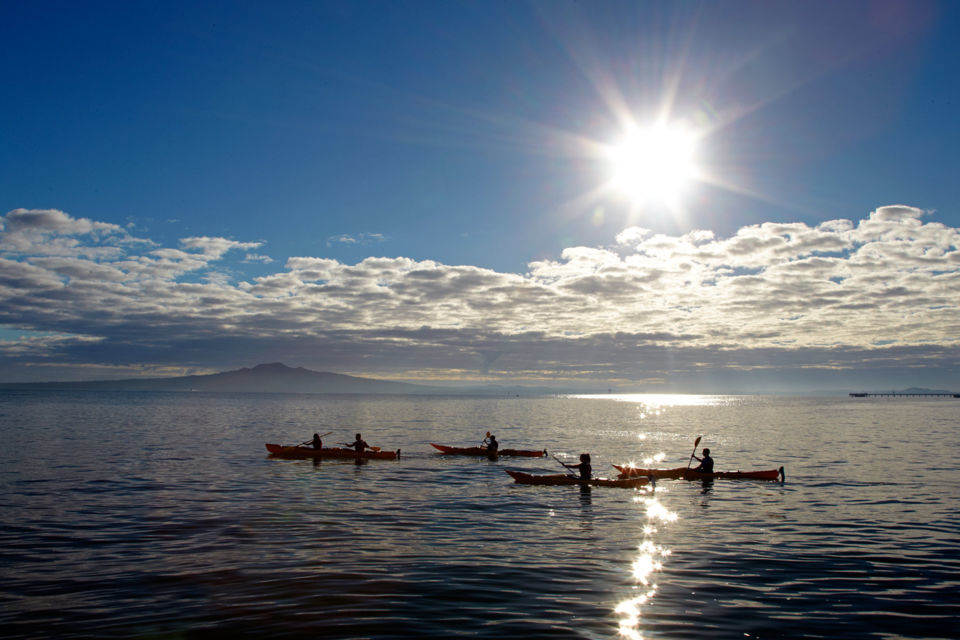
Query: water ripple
pixel 141 532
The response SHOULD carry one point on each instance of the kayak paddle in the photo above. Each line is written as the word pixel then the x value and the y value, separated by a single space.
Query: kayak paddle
pixel 310 441
pixel 484 441
pixel 696 443
pixel 350 444
pixel 565 467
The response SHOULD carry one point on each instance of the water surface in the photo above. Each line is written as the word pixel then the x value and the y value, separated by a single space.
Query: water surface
pixel 160 515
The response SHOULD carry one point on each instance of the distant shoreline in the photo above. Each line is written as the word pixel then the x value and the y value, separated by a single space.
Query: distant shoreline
pixel 279 378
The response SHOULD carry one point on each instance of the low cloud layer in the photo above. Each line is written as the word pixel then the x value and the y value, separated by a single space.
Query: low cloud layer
pixel 774 301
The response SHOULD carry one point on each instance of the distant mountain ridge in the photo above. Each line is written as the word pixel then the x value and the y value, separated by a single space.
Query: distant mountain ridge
pixel 264 378
pixel 913 390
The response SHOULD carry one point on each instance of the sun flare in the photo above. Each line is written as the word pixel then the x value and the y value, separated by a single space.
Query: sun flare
pixel 654 164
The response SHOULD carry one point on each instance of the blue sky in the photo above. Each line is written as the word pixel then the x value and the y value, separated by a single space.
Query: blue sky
pixel 420 191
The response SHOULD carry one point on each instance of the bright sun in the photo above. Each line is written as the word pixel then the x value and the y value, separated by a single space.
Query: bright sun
pixel 654 164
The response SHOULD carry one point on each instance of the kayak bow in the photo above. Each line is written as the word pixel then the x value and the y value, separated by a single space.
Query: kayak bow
pixel 561 479
pixel 481 451
pixel 280 451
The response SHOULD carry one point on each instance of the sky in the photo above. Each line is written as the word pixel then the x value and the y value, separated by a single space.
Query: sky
pixel 641 196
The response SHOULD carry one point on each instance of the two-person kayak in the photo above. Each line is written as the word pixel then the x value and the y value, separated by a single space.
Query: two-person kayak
pixel 558 479
pixel 483 451
pixel 683 473
pixel 298 452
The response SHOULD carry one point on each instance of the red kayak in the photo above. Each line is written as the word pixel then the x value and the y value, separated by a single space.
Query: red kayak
pixel 561 479
pixel 690 474
pixel 280 451
pixel 482 451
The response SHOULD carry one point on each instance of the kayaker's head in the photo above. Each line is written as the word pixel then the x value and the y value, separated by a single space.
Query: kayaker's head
pixel 584 457
pixel 358 436
pixel 706 452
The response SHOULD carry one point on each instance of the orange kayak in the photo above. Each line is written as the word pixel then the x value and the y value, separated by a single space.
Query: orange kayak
pixel 280 451
pixel 481 451
pixel 561 479
pixel 689 474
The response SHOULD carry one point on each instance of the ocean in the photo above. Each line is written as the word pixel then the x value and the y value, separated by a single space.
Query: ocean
pixel 160 515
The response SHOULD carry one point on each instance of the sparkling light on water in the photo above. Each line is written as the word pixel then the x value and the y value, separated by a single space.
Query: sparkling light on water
pixel 648 562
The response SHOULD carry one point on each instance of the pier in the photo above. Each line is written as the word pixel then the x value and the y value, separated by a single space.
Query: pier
pixel 902 394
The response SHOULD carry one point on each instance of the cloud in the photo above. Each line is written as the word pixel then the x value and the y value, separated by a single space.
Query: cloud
pixel 215 248
pixel 878 293
pixel 55 233
pixel 360 239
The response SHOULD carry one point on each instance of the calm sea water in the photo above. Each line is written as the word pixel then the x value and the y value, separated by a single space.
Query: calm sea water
pixel 159 515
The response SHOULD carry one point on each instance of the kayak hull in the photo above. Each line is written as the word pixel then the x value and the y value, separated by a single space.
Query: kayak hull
pixel 682 473
pixel 560 479
pixel 300 453
pixel 480 451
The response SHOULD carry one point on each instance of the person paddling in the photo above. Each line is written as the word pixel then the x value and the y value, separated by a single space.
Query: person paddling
pixel 359 445
pixel 584 466
pixel 317 442
pixel 706 462
pixel 492 445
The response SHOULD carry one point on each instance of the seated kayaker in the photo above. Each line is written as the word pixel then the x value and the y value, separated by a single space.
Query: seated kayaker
pixel 706 462
pixel 359 445
pixel 491 445
pixel 317 442
pixel 584 466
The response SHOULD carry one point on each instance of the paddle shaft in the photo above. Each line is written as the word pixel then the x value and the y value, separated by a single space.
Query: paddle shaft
pixel 565 467
pixel 696 443
pixel 322 435
pixel 350 444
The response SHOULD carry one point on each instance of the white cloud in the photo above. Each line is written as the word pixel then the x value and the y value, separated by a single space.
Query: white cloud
pixel 356 239
pixel 215 248
pixel 774 289
pixel 54 233
pixel 53 221
pixel 897 213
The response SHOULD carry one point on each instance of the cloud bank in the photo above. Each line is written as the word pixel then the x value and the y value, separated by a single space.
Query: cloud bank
pixel 787 302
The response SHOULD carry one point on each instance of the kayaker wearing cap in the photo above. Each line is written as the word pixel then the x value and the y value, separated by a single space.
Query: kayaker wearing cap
pixel 706 462
pixel 584 466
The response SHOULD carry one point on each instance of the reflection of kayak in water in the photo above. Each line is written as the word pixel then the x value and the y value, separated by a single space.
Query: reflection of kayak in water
pixel 562 479
pixel 483 451
pixel 691 474
pixel 280 451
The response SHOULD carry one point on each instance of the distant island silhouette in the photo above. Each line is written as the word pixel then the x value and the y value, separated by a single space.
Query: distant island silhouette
pixel 277 378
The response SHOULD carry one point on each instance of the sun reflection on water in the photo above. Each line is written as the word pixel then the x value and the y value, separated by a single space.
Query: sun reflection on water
pixel 645 565
pixel 656 401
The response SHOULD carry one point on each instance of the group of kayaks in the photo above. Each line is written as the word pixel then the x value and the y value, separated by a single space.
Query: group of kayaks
pixel 630 477
pixel 633 477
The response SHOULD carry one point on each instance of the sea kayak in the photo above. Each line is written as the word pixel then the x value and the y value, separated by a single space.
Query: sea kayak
pixel 561 479
pixel 689 474
pixel 482 451
pixel 280 451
